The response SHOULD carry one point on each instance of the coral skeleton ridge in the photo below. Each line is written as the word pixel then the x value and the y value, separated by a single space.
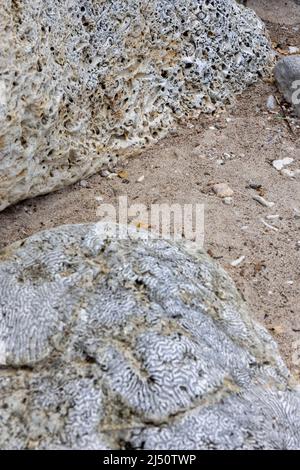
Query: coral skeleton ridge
pixel 114 344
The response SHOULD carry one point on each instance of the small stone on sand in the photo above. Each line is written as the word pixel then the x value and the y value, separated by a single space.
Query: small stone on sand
pixel 222 190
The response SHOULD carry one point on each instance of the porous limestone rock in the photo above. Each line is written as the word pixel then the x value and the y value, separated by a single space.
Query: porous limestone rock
pixel 85 81
pixel 115 344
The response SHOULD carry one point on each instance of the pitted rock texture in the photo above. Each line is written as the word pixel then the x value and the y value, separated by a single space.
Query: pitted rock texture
pixel 117 344
pixel 85 81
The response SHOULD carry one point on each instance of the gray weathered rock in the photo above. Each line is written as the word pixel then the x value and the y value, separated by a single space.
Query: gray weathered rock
pixel 84 81
pixel 287 75
pixel 108 343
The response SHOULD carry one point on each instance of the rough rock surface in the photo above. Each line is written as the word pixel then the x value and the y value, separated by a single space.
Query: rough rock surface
pixel 287 75
pixel 108 343
pixel 85 81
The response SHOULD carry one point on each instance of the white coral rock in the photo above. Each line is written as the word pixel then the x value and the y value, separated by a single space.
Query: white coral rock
pixel 85 82
pixel 133 343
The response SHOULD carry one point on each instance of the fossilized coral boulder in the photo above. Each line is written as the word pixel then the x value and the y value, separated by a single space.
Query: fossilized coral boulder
pixel 108 343
pixel 84 81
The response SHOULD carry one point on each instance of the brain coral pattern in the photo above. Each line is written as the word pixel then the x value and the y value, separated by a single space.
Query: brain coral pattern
pixel 83 82
pixel 117 344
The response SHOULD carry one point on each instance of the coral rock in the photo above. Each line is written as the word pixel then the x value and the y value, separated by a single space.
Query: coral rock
pixel 287 75
pixel 110 344
pixel 84 81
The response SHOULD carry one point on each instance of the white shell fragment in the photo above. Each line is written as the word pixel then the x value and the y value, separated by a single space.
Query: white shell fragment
pixel 238 261
pixel 269 226
pixel 263 202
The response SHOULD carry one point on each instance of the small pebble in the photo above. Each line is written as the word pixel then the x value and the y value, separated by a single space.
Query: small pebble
pixel 293 49
pixel 104 173
pixel 83 184
pixel 280 164
pixel 271 103
pixel 296 213
pixel 113 175
pixel 255 186
pixel 227 201
pixel 222 190
pixel 140 179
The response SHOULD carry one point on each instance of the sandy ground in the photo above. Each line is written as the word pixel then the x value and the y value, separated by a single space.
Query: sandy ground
pixel 183 169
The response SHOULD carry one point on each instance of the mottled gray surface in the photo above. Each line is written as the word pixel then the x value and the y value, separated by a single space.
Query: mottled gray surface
pixel 287 75
pixel 83 82
pixel 113 344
